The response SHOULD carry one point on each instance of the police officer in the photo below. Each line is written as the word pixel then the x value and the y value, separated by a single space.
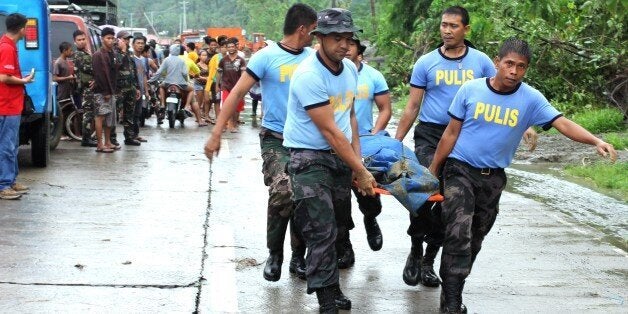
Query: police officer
pixel 476 147
pixel 272 67
pixel 372 89
pixel 321 133
pixel 128 87
pixel 436 77
pixel 84 72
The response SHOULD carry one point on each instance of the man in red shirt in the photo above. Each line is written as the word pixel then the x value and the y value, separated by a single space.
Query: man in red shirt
pixel 11 103
pixel 230 68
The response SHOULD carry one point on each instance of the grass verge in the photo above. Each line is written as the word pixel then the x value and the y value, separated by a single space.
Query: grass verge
pixel 604 175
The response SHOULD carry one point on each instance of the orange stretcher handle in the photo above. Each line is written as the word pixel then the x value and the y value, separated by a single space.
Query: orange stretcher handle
pixel 433 198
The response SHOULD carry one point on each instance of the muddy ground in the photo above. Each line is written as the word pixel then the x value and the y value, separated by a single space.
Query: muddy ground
pixel 556 148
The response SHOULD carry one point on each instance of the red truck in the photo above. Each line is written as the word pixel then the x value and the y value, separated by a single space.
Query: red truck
pixel 230 32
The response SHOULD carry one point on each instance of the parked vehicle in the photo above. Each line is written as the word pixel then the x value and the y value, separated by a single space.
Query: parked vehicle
pixel 236 32
pixel 99 12
pixel 64 26
pixel 42 128
pixel 258 40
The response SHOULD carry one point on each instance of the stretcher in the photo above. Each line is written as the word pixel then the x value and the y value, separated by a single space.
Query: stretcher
pixel 398 172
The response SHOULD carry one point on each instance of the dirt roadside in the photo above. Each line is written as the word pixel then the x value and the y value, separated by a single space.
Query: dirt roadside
pixel 556 148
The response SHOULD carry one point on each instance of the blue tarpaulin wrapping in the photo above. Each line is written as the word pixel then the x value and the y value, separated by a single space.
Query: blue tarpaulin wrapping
pixel 397 170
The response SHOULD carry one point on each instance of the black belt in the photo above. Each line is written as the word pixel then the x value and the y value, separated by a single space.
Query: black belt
pixel 433 125
pixel 328 151
pixel 482 171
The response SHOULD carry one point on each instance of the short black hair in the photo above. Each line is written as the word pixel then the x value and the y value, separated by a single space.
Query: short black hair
pixel 361 47
pixel 298 14
pixel 14 22
pixel 233 40
pixel 140 37
pixel 458 10
pixel 77 33
pixel 517 46
pixel 107 31
pixel 64 46
pixel 222 40
pixel 211 40
pixel 191 45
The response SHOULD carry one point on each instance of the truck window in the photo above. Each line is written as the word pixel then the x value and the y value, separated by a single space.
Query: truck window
pixel 62 32
pixel 95 39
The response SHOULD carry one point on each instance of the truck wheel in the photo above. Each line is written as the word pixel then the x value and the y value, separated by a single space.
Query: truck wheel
pixel 56 128
pixel 40 142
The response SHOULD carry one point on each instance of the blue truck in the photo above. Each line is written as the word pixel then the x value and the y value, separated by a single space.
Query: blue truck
pixel 41 129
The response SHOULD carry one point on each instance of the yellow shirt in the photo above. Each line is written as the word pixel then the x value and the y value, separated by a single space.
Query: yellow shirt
pixel 193 69
pixel 193 56
pixel 213 69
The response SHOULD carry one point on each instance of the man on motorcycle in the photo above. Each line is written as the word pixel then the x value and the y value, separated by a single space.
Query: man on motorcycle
pixel 175 71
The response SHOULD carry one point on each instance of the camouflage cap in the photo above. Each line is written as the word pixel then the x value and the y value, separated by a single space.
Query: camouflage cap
pixel 335 20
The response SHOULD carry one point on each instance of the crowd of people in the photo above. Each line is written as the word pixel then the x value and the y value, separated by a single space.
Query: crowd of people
pixel 128 74
pixel 114 85
pixel 472 113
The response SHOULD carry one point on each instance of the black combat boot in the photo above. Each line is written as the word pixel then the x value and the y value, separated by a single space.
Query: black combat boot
pixel 272 270
pixel 428 275
pixel 342 302
pixel 412 271
pixel 346 257
pixel 326 301
pixel 373 233
pixel 297 265
pixel 451 296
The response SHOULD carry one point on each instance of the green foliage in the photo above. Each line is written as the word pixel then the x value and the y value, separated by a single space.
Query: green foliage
pixel 610 176
pixel 618 140
pixel 579 45
pixel 599 121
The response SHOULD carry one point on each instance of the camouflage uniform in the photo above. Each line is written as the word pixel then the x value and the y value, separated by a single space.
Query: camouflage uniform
pixel 469 211
pixel 321 186
pixel 280 205
pixel 84 72
pixel 427 226
pixel 127 85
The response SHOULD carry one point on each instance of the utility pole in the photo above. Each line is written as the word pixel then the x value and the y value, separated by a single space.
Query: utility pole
pixel 185 21
pixel 131 20
pixel 151 21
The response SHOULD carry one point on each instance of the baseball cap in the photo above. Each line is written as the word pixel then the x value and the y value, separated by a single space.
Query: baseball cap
pixel 335 20
pixel 124 34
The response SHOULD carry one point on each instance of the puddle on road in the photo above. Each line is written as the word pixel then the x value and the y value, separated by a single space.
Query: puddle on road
pixel 586 206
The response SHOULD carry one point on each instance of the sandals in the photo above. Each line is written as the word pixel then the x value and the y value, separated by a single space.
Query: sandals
pixel 104 150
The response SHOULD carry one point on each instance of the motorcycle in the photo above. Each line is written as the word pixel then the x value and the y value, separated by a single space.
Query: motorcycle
pixel 174 105
pixel 151 105
pixel 72 117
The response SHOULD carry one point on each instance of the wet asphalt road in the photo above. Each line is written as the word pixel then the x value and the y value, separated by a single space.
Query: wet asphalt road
pixel 155 228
